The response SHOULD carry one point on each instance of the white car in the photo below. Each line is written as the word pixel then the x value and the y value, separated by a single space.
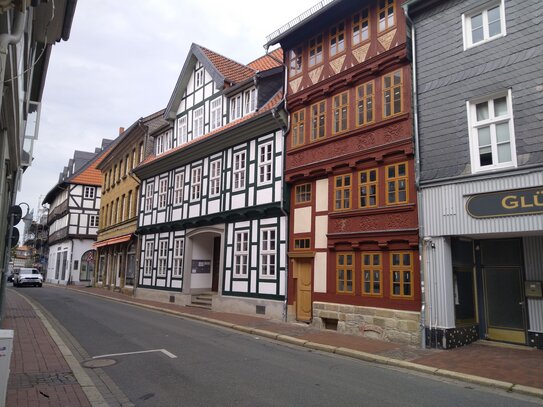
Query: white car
pixel 27 276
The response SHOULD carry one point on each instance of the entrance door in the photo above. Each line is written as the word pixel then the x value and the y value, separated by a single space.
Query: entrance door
pixel 216 264
pixel 302 274
pixel 118 270
pixel 503 296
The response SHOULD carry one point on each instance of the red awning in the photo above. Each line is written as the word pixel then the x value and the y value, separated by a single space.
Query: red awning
pixel 114 240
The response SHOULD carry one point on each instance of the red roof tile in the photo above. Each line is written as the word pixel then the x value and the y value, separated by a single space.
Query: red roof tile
pixel 91 175
pixel 268 61
pixel 231 70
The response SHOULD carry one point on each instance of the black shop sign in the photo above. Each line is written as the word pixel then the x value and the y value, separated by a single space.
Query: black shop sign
pixel 506 203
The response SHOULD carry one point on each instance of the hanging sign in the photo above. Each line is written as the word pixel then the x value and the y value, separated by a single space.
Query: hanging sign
pixel 506 203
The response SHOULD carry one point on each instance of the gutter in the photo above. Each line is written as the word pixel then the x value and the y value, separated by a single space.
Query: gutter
pixel 422 241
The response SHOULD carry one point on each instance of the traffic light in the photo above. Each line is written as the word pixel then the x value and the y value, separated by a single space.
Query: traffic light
pixel 15 214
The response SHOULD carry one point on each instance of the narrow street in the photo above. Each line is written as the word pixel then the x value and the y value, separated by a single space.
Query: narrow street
pixel 161 360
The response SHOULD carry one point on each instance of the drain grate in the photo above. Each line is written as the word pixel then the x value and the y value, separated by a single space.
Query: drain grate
pixel 29 380
pixel 97 363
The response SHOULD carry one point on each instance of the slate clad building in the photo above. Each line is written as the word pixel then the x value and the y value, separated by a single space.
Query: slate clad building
pixel 212 218
pixel 353 243
pixel 480 105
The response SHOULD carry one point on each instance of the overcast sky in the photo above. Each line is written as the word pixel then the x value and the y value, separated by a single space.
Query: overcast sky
pixel 122 61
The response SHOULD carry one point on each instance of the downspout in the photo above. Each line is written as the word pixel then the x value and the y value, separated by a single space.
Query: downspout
pixel 420 212
pixel 286 129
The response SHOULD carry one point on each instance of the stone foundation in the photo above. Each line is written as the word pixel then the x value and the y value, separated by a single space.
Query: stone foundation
pixel 270 309
pixel 174 297
pixel 377 323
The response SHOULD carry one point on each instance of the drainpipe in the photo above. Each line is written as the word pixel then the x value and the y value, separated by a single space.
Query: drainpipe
pixel 286 129
pixel 417 172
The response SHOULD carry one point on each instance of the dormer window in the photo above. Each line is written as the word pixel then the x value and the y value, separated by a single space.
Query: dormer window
pixel 249 97
pixel 163 143
pixel 295 58
pixel 235 107
pixel 159 145
pixel 199 78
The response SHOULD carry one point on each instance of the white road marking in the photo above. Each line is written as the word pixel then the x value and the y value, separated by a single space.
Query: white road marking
pixel 169 354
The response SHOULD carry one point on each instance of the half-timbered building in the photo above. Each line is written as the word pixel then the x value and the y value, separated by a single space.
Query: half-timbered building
pixel 74 204
pixel 212 217
pixel 353 251
pixel 117 244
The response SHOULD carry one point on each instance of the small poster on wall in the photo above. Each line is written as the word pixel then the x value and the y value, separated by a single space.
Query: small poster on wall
pixel 201 266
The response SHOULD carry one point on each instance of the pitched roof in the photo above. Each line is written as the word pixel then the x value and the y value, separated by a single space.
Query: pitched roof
pixel 232 71
pixel 268 61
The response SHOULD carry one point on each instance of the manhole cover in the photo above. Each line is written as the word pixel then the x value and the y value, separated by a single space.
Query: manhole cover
pixel 96 363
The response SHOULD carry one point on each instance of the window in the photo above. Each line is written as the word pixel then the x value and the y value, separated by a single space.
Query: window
pixel 117 211
pixel 396 181
pixel 360 28
pixel 177 268
pixel 298 128
pixel 267 253
pixel 121 208
pixel 265 163
pixel 148 264
pixel 133 158
pixel 198 123
pixel 215 178
pixel 318 113
pixel 250 101
pixel 337 39
pixel 303 193
pixel 392 93
pixel 491 133
pixel 386 14
pixel 235 107
pixel 199 78
pixel 315 50
pixel 216 113
pixel 341 106
pixel 178 189
pixel 88 192
pixel 141 152
pixel 364 103
pixel 241 252
pixel 345 273
pixel 239 171
pixel 159 145
pixel 342 192
pixel 149 197
pixel 372 268
pixel 182 130
pixel 121 169
pixel 115 176
pixel 162 258
pixel 195 183
pixel 129 205
pixel 302 244
pixel 295 61
pixel 368 186
pixel 401 268
pixel 162 193
pixel 93 221
pixel 125 172
pixel 484 25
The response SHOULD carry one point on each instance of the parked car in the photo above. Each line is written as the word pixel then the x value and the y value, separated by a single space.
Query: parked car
pixel 27 276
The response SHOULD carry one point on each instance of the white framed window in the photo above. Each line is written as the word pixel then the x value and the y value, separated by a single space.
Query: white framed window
pixel 216 113
pixel 235 107
pixel 265 163
pixel 149 197
pixel 162 193
pixel 491 133
pixel 239 171
pixel 250 101
pixel 148 263
pixel 93 221
pixel 89 192
pixel 159 145
pixel 195 183
pixel 241 254
pixel 162 258
pixel 199 81
pixel 484 24
pixel 215 178
pixel 182 130
pixel 198 123
pixel 267 253
pixel 177 268
pixel 178 188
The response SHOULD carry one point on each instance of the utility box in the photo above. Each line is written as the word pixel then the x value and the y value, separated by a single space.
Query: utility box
pixel 6 347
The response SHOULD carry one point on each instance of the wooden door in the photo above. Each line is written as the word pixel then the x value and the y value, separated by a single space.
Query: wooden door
pixel 302 274
pixel 216 264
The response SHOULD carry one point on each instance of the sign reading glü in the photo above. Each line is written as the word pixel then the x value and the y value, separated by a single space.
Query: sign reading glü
pixel 527 201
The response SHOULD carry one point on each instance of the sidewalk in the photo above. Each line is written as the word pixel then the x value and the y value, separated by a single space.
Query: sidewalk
pixel 40 376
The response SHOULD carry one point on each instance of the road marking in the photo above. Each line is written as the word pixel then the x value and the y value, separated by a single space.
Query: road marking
pixel 169 354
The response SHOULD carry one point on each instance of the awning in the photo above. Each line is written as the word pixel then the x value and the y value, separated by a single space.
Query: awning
pixel 113 240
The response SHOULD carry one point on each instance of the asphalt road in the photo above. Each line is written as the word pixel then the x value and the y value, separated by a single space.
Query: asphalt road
pixel 219 367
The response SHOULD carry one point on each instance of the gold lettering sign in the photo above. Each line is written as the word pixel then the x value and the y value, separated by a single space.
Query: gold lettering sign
pixel 506 203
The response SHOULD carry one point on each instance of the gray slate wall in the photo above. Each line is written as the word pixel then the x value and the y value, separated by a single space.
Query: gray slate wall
pixel 448 76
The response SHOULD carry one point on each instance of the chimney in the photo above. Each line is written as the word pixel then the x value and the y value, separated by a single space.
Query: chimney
pixel 121 130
